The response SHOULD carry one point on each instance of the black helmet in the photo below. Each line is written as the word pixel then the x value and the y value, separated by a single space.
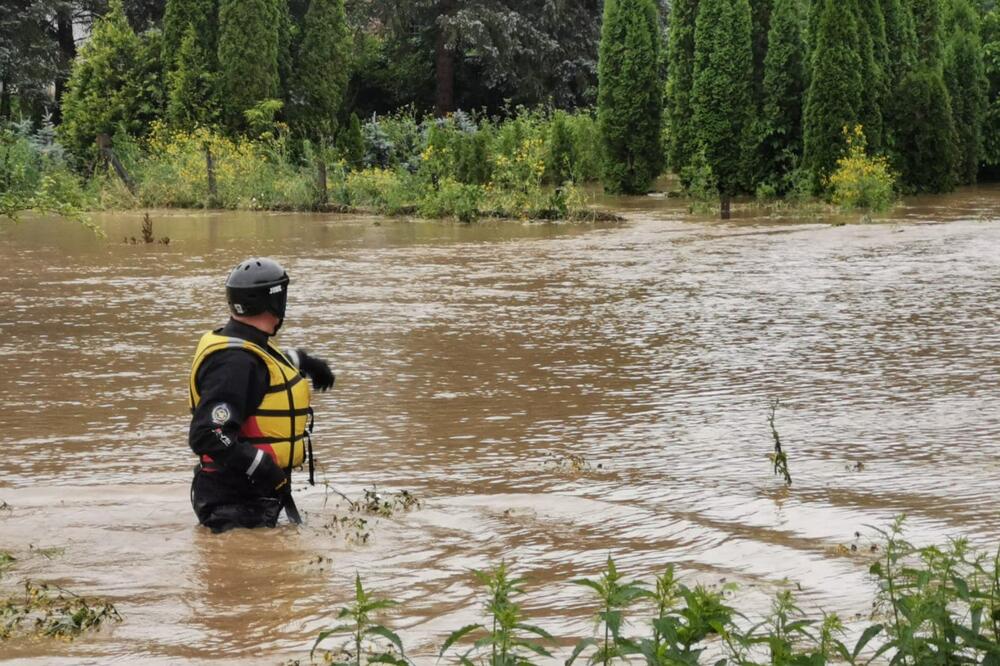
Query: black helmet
pixel 258 285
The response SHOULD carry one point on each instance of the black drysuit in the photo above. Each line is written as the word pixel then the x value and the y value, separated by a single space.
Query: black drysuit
pixel 231 382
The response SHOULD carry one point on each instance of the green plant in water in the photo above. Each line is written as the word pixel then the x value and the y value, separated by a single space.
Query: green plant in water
pixel 508 640
pixel 365 635
pixel 53 612
pixel 779 457
pixel 616 596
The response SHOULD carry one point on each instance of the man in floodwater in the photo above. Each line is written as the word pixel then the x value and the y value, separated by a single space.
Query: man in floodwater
pixel 251 417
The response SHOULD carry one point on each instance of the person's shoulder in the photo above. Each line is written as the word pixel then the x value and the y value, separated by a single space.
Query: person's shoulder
pixel 232 358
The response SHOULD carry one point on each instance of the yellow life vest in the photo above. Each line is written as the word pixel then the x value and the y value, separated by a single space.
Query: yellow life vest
pixel 281 424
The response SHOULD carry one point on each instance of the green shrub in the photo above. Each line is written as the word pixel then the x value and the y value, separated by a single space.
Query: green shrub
pixel 862 182
pixel 452 198
pixel 384 190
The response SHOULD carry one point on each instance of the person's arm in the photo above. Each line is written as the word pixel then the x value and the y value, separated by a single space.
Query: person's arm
pixel 231 384
pixel 314 368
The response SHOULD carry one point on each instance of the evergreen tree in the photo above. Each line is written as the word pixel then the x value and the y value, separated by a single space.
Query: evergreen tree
pixel 321 70
pixel 991 57
pixel 927 23
pixel 202 16
pixel 760 12
pixel 722 100
pixel 629 101
pixel 248 57
pixel 926 139
pixel 351 143
pixel 784 90
pixel 901 49
pixel 926 142
pixel 965 76
pixel 111 86
pixel 833 102
pixel 874 54
pixel 680 81
pixel 191 85
pixel 901 41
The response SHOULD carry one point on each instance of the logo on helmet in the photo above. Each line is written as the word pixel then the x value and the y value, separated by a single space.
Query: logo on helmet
pixel 275 289
pixel 238 308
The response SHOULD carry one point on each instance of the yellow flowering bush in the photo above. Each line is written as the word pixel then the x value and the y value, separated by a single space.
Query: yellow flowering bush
pixel 385 190
pixel 247 174
pixel 862 181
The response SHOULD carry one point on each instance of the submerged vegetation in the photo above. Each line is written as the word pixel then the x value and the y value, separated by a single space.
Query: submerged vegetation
pixel 932 605
pixel 46 610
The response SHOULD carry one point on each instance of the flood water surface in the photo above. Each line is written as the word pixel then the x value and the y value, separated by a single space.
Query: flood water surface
pixel 552 394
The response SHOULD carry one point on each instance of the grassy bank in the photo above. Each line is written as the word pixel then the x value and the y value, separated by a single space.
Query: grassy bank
pixel 532 165
pixel 526 167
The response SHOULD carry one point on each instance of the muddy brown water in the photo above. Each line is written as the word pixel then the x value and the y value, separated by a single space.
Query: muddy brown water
pixel 473 362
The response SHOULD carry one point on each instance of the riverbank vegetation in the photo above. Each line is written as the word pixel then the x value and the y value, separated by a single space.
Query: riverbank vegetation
pixel 931 605
pixel 339 103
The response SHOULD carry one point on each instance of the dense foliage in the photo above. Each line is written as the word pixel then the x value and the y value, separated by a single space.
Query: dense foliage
pixel 755 100
pixel 629 99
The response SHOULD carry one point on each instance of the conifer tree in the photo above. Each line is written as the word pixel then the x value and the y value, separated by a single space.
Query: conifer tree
pixel 248 57
pixel 760 15
pixel 926 145
pixel 321 70
pixel 965 76
pixel 191 95
pixel 109 87
pixel 926 142
pixel 873 52
pixel 629 99
pixel 680 81
pixel 784 90
pixel 901 50
pixel 722 99
pixel 991 57
pixel 833 102
pixel 203 16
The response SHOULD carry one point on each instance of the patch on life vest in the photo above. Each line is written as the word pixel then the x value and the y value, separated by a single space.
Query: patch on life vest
pixel 221 413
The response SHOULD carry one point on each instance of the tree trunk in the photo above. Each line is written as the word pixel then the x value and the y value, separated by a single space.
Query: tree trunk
pixel 67 53
pixel 5 98
pixel 321 180
pixel 213 190
pixel 444 68
pixel 725 211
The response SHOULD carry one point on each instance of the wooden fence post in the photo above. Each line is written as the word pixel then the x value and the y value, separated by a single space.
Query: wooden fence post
pixel 108 155
pixel 213 191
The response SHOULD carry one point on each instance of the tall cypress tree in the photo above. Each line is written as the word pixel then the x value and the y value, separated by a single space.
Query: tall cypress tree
pixel 873 52
pixel 760 15
pixel 991 126
pixel 680 81
pixel 321 70
pixel 926 142
pixel 629 102
pixel 965 76
pixel 722 100
pixel 834 98
pixel 784 90
pixel 203 16
pixel 248 57
pixel 191 94
pixel 901 50
pixel 109 85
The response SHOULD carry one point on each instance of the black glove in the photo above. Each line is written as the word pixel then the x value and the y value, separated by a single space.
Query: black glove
pixel 317 370
pixel 265 474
